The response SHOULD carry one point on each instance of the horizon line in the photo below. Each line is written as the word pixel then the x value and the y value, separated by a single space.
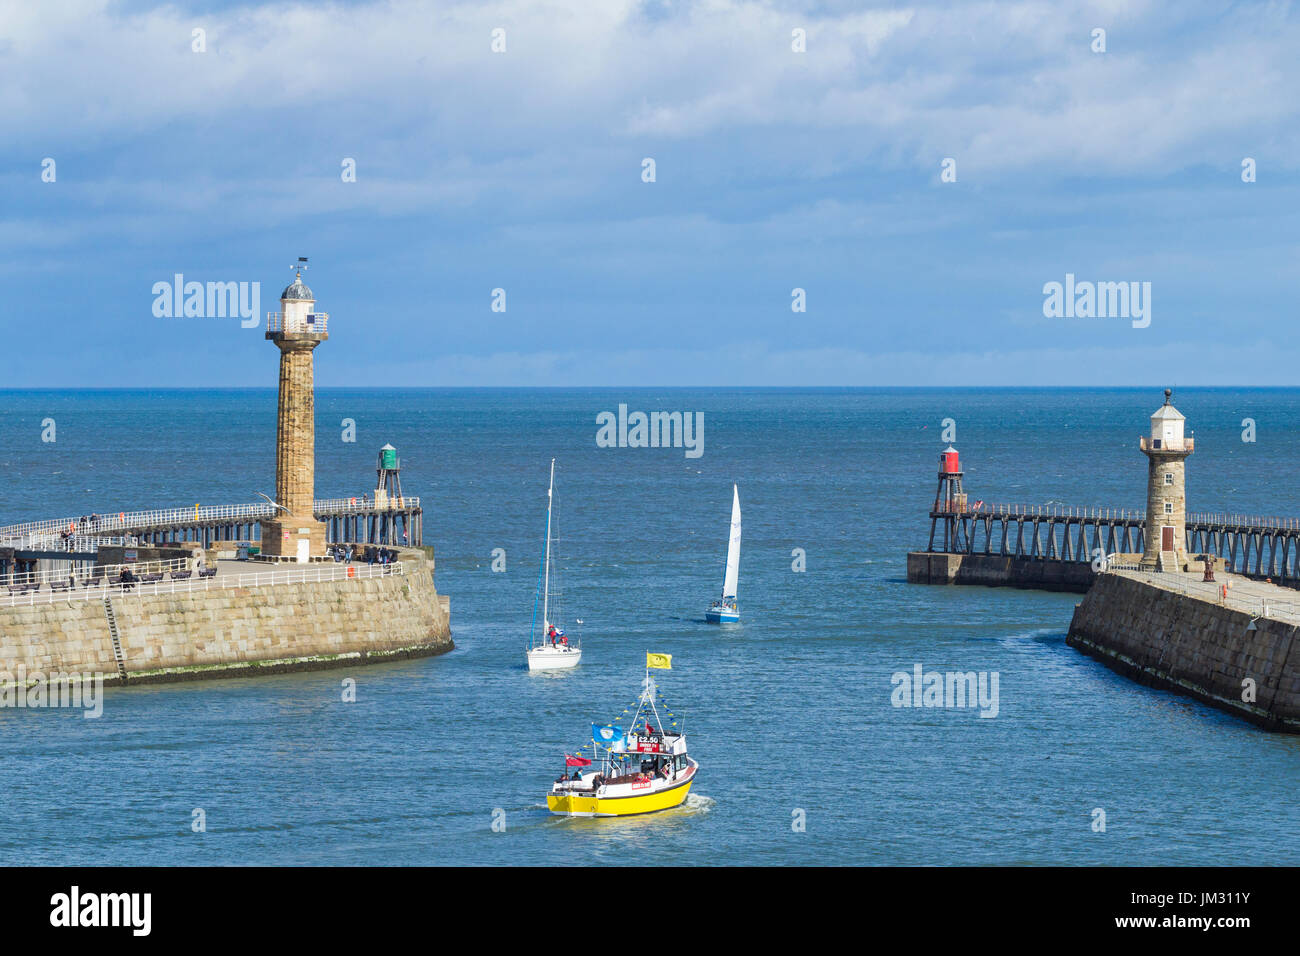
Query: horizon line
pixel 579 388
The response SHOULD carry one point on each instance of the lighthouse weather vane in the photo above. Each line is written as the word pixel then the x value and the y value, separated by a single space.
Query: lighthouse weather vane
pixel 302 264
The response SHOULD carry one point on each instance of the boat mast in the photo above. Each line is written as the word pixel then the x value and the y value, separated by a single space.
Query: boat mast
pixel 546 592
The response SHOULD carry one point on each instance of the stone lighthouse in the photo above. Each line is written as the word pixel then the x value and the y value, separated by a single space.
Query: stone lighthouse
pixel 1166 449
pixel 293 534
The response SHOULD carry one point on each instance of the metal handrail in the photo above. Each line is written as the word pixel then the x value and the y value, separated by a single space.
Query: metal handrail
pixel 61 575
pixel 166 517
pixel 316 574
pixel 1213 591
pixel 996 510
pixel 315 322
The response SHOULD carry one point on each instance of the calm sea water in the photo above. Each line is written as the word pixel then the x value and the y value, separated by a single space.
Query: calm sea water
pixel 788 711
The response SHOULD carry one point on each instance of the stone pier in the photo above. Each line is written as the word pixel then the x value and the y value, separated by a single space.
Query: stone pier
pixel 148 635
pixel 1174 631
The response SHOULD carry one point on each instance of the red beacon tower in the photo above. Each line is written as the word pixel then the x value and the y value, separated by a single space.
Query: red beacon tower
pixel 949 503
pixel 950 498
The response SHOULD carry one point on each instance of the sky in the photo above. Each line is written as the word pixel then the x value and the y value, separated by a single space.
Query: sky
pixel 775 169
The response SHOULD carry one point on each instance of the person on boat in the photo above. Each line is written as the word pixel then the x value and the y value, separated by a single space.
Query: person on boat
pixel 550 635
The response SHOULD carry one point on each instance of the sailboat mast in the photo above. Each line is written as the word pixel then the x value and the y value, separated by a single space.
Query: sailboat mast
pixel 546 592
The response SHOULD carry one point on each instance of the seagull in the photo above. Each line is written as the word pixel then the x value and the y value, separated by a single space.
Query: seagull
pixel 273 504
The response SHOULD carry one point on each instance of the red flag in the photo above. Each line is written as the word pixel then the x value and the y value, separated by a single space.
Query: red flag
pixel 576 761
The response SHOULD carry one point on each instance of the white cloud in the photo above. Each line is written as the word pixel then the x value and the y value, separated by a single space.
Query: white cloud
pixel 1001 86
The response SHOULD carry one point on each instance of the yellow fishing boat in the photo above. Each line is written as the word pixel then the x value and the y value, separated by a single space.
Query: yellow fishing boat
pixel 640 770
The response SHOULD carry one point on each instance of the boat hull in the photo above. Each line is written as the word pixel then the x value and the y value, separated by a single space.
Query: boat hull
pixel 579 805
pixel 553 659
pixel 722 616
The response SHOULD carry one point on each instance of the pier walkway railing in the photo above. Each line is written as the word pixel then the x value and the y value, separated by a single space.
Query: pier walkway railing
pixel 357 519
pixel 257 579
pixel 1241 597
pixel 1251 545
pixel 60 576
pixel 79 544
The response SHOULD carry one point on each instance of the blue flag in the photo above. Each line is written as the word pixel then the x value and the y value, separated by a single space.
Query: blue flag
pixel 607 735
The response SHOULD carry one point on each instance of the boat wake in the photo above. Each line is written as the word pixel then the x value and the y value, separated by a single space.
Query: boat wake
pixel 696 803
pixel 1039 635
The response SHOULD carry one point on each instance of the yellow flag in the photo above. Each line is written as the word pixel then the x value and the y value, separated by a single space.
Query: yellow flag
pixel 663 661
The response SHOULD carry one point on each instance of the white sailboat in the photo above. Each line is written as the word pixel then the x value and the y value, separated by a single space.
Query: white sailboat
pixel 725 611
pixel 552 650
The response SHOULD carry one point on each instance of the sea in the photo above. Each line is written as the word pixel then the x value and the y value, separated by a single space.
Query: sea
pixel 806 753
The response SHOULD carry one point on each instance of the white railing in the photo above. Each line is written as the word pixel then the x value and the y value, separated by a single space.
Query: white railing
pixel 1241 596
pixel 169 517
pixel 313 574
pixel 1249 521
pixel 138 519
pixel 58 542
pixel 363 503
pixel 1186 443
pixel 996 510
pixel 108 571
pixel 315 323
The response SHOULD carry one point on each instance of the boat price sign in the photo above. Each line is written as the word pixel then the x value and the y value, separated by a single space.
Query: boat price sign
pixel 647 745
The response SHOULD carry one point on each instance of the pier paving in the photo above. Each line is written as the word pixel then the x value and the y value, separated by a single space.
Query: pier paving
pixel 1257 598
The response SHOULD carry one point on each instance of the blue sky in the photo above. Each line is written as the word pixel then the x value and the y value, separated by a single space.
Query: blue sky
pixel 775 170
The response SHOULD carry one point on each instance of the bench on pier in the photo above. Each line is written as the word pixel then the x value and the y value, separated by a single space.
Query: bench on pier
pixel 61 585
pixel 151 578
pixel 96 582
pixel 207 572
pixel 181 575
pixel 23 588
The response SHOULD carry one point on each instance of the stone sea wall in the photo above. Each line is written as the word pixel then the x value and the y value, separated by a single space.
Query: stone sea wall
pixel 993 570
pixel 226 632
pixel 1163 638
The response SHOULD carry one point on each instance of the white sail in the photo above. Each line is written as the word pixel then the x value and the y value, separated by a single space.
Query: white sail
pixel 733 549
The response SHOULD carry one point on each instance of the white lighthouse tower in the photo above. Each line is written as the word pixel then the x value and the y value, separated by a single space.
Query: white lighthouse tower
pixel 1166 449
